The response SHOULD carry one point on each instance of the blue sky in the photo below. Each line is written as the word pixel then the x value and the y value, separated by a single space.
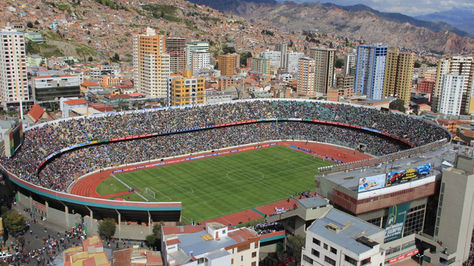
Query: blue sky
pixel 408 7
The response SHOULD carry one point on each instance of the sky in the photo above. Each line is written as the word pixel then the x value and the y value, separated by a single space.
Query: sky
pixel 407 7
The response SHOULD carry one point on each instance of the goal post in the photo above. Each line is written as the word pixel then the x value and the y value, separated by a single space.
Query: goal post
pixel 150 192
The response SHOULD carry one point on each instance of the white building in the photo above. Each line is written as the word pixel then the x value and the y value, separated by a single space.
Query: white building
pixel 273 56
pixel 293 58
pixel 192 46
pixel 349 63
pixel 370 70
pixel 200 60
pixel 451 97
pixel 151 64
pixel 13 74
pixel 54 87
pixel 339 238
pixel 213 244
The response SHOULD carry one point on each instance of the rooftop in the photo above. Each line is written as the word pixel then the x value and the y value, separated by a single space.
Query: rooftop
pixel 345 230
pixel 75 102
pixel 312 202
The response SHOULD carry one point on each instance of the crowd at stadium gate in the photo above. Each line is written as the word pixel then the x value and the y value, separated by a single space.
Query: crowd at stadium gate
pixel 61 170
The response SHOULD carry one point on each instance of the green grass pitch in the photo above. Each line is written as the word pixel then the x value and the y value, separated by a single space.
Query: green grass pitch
pixel 222 185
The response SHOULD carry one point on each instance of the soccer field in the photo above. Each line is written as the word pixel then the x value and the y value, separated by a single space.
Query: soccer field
pixel 222 185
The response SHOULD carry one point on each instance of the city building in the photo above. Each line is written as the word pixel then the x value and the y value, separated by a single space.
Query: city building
pixel 200 60
pixel 261 65
pixel 212 244
pixel 338 238
pixel 186 89
pixel 45 88
pixel 450 100
pixel 349 63
pixel 425 86
pixel 215 96
pixel 324 68
pixel 13 77
pixel 192 46
pixel 175 47
pixel 282 47
pixel 395 194
pixel 450 242
pixel 305 81
pixel 151 64
pixel 274 57
pixel 398 75
pixel 460 65
pixel 104 70
pixel 370 70
pixel 293 58
pixel 227 64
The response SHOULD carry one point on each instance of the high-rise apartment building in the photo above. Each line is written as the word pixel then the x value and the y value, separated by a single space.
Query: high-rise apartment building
pixel 274 57
pixel 398 75
pixel 462 66
pixel 293 58
pixel 324 68
pixel 200 59
pixel 227 64
pixel 305 82
pixel 370 70
pixel 192 46
pixel 151 64
pixel 349 63
pixel 451 98
pixel 186 89
pixel 175 47
pixel 261 65
pixel 13 74
pixel 282 47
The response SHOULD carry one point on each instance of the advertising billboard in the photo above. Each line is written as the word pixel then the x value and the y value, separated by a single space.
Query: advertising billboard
pixel 403 176
pixel 371 183
pixel 396 221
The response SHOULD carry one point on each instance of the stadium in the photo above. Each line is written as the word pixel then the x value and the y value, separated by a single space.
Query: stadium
pixel 62 165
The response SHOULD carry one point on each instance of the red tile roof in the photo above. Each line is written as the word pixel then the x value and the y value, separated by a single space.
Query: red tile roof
pixel 36 112
pixel 89 84
pixel 186 229
pixel 137 94
pixel 153 258
pixel 172 241
pixel 75 102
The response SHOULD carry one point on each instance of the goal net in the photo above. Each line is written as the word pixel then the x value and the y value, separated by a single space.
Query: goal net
pixel 149 192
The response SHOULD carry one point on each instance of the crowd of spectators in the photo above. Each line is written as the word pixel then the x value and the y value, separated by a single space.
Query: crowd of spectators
pixel 60 172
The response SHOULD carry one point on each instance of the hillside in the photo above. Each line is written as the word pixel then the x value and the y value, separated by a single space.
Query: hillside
pixel 358 22
pixel 459 18
pixel 82 28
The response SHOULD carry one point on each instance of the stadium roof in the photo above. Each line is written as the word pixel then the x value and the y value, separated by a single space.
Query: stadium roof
pixel 348 233
pixel 312 202
pixel 350 179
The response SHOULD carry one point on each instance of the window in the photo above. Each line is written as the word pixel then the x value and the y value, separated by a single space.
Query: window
pixel 326 246
pixel 316 241
pixel 254 254
pixel 241 258
pixel 254 263
pixel 314 252
pixel 350 260
pixel 366 261
pixel 333 250
pixel 329 260
pixel 307 259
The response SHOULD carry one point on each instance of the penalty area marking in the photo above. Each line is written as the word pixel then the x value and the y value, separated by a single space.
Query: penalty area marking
pixel 130 188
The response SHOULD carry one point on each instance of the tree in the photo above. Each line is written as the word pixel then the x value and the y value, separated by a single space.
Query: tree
pixel 107 228
pixel 29 24
pixel 397 104
pixel 295 244
pixel 115 58
pixel 90 59
pixel 339 63
pixel 14 222
pixel 244 56
pixel 154 240
pixel 228 50
pixel 417 64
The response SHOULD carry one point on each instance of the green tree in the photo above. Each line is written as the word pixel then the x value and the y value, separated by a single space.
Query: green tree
pixel 29 24
pixel 417 64
pixel 244 56
pixel 397 104
pixel 295 244
pixel 228 50
pixel 14 222
pixel 90 59
pixel 115 58
pixel 107 228
pixel 339 62
pixel 154 240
